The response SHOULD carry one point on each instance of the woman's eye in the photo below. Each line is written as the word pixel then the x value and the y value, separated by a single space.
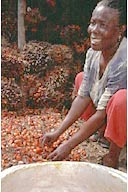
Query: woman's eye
pixel 92 22
pixel 103 25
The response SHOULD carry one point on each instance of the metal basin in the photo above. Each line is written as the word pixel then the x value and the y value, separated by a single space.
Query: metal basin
pixel 63 177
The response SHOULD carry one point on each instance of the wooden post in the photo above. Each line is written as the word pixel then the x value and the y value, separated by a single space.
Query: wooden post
pixel 21 27
pixel 21 43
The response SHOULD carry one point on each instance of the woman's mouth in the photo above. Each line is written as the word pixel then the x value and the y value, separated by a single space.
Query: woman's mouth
pixel 95 40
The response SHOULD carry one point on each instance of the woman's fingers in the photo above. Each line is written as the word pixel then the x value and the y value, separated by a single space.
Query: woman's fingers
pixel 52 155
pixel 57 158
pixel 44 140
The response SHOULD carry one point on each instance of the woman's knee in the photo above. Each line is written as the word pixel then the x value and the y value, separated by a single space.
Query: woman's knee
pixel 78 80
pixel 119 99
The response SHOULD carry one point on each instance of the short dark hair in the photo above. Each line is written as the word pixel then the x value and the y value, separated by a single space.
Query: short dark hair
pixel 120 6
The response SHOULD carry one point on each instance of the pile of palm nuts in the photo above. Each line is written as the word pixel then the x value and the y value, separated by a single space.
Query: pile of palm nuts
pixel 21 137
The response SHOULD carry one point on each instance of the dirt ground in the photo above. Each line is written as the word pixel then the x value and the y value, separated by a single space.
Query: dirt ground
pixel 95 152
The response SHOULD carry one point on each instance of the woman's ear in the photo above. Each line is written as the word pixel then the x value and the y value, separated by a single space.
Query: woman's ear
pixel 123 28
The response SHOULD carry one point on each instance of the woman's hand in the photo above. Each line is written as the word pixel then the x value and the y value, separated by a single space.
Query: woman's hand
pixel 80 103
pixel 60 153
pixel 49 138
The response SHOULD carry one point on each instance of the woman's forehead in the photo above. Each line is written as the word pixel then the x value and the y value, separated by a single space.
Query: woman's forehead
pixel 105 13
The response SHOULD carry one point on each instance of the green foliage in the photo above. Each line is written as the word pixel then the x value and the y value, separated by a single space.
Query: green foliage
pixel 47 20
pixel 9 19
pixel 71 33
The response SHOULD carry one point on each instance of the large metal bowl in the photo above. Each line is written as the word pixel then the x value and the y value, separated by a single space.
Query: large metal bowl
pixel 63 177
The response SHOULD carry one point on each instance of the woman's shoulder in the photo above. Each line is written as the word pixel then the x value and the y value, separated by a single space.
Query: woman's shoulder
pixel 122 50
pixel 119 61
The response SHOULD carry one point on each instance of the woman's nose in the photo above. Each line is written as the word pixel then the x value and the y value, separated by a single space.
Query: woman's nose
pixel 94 28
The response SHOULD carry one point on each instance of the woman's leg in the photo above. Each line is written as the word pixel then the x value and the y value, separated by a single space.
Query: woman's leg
pixel 90 109
pixel 116 129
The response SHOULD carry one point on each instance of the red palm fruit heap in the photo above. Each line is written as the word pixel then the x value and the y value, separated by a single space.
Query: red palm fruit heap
pixel 21 137
pixel 48 71
pixel 11 94
pixel 36 58
pixel 12 63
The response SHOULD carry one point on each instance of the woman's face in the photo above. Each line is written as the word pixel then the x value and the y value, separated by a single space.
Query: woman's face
pixel 104 28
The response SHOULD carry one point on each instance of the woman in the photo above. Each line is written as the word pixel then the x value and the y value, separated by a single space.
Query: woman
pixel 104 81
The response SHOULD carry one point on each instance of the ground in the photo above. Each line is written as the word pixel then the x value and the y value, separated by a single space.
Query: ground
pixel 95 153
pixel 21 133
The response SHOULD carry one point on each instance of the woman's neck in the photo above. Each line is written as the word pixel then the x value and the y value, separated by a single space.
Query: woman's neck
pixel 109 53
pixel 105 57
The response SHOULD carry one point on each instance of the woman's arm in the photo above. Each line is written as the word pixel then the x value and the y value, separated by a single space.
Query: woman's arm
pixel 79 105
pixel 88 128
